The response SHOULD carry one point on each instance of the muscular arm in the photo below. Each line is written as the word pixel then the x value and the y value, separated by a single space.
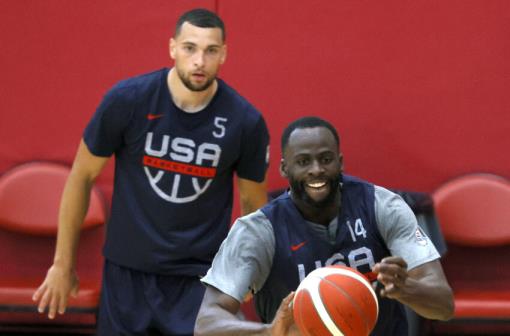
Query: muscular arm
pixel 61 279
pixel 424 288
pixel 218 316
pixel 253 195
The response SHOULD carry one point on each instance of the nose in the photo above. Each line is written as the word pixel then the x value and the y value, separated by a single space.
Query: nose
pixel 198 59
pixel 316 168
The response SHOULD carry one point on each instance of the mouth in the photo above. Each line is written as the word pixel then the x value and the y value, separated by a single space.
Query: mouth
pixel 316 185
pixel 317 190
pixel 198 76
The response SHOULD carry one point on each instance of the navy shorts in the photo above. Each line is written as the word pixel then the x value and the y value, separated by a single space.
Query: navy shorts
pixel 138 303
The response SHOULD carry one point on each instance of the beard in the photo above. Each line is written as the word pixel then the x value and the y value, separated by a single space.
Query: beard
pixel 193 87
pixel 299 192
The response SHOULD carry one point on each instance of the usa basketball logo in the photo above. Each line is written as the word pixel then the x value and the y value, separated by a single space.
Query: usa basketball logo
pixel 421 238
pixel 179 170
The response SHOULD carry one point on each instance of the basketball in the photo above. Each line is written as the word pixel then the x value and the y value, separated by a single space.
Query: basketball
pixel 335 300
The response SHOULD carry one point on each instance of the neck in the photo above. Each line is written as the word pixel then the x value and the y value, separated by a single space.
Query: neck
pixel 187 100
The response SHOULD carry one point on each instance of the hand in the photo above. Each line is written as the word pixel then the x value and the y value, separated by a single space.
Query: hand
pixel 283 323
pixel 55 290
pixel 392 274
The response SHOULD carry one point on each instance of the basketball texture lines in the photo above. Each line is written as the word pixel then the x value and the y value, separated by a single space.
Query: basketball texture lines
pixel 335 300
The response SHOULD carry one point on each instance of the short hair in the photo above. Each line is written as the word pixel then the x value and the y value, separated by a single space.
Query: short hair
pixel 203 18
pixel 307 122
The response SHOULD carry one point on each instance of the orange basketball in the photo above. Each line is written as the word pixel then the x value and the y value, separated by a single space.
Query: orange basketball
pixel 335 300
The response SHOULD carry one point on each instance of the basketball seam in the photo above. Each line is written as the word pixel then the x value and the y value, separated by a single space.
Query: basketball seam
pixel 321 309
pixel 325 271
pixel 311 285
pixel 354 304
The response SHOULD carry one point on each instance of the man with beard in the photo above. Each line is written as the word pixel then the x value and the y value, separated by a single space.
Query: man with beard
pixel 178 136
pixel 325 218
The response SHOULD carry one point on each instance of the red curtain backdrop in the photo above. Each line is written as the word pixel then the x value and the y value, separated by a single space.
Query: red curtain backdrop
pixel 418 90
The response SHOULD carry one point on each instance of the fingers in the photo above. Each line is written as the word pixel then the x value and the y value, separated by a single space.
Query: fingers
pixel 392 267
pixel 62 304
pixel 45 300
pixel 392 274
pixel 53 296
pixel 389 263
pixel 284 318
pixel 395 260
pixel 39 292
pixel 52 311
pixel 392 285
pixel 287 301
pixel 286 306
pixel 48 301
pixel 75 288
pixel 64 298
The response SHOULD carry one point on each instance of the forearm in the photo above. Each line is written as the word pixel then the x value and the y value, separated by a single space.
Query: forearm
pixel 423 288
pixel 218 321
pixel 73 208
pixel 252 195
pixel 427 298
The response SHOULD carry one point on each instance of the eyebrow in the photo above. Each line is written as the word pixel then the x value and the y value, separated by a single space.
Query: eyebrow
pixel 189 43
pixel 324 152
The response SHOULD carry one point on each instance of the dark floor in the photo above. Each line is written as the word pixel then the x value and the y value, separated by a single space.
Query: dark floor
pixel 41 333
pixel 423 328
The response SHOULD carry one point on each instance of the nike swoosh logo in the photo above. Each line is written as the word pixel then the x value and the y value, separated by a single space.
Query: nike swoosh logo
pixel 154 116
pixel 296 247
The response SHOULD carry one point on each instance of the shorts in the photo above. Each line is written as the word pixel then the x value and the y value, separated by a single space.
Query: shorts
pixel 139 303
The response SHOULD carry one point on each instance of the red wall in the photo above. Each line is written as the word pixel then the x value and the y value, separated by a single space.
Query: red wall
pixel 418 90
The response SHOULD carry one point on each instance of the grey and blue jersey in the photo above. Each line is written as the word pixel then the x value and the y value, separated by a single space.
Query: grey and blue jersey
pixel 279 248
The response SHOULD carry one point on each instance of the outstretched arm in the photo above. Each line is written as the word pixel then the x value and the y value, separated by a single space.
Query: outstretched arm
pixel 424 288
pixel 218 316
pixel 61 279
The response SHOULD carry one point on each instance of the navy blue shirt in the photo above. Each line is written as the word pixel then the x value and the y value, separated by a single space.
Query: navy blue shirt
pixel 299 250
pixel 172 198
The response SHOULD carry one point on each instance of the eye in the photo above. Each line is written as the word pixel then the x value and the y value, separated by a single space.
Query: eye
pixel 212 51
pixel 302 162
pixel 327 160
pixel 189 48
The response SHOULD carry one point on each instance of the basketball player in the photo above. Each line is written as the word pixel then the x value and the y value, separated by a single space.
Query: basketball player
pixel 325 218
pixel 178 136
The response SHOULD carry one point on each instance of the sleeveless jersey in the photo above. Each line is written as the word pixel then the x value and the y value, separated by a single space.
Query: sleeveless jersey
pixel 172 199
pixel 299 250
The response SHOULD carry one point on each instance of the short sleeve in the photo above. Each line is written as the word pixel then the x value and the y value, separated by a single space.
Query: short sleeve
pixel 399 228
pixel 104 133
pixel 245 257
pixel 254 158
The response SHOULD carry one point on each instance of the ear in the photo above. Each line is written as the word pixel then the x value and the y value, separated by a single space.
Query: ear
pixel 341 161
pixel 223 54
pixel 172 46
pixel 283 169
